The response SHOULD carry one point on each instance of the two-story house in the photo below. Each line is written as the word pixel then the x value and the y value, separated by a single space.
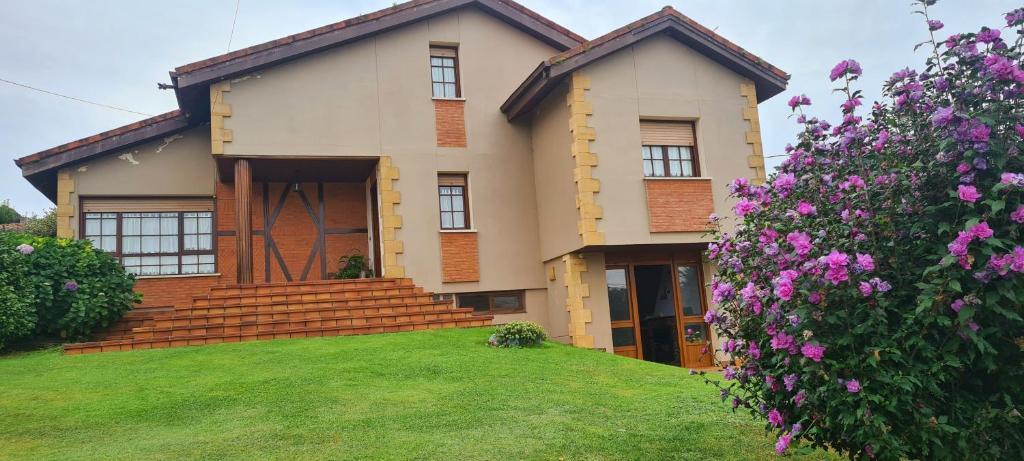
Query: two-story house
pixel 473 146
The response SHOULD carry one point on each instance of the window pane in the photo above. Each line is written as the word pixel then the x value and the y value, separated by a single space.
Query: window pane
pixel 687 168
pixel 646 152
pixel 92 227
pixel 205 242
pixel 190 259
pixel 446 221
pixel 131 245
pixel 674 168
pixel 618 294
pixel 694 333
pixel 446 203
pixel 686 153
pixel 169 244
pixel 459 220
pixel 436 74
pixel 623 337
pixel 190 225
pixel 150 244
pixel 206 259
pixel 206 268
pixel 435 61
pixel 648 168
pixel 131 226
pixel 689 290
pixel 150 226
pixel 169 270
pixel 673 153
pixel 449 74
pixel 438 91
pixel 109 244
pixel 659 168
pixel 189 269
pixel 169 226
pixel 448 62
pixel 457 204
pixel 477 302
pixel 206 225
pixel 506 302
pixel 191 242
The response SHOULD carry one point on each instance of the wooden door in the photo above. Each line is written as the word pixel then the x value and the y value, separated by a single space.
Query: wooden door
pixel 694 333
pixel 622 307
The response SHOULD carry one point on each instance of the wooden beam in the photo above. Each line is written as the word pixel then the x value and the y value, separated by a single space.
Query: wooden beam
pixel 243 219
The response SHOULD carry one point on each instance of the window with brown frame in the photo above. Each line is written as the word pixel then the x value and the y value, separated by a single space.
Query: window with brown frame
pixel 498 302
pixel 669 149
pixel 444 72
pixel 453 196
pixel 155 243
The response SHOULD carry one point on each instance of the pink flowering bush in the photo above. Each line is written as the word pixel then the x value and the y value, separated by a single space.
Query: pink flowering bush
pixel 869 296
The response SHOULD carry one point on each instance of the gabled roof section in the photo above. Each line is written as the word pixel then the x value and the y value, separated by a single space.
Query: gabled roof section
pixel 39 168
pixel 339 33
pixel 770 80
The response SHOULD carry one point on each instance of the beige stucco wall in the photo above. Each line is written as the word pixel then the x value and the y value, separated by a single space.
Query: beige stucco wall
pixel 373 97
pixel 176 165
pixel 660 78
pixel 553 175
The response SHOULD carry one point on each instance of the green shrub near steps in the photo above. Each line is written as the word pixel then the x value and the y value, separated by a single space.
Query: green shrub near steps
pixel 17 298
pixel 518 334
pixel 72 288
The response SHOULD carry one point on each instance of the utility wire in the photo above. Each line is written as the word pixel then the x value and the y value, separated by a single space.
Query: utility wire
pixel 233 20
pixel 73 98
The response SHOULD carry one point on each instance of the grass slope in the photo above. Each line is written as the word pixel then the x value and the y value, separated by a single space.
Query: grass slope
pixel 425 395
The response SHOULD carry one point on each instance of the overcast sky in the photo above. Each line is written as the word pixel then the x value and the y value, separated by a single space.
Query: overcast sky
pixel 114 52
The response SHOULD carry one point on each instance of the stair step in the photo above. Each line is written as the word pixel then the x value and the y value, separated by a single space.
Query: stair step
pixel 310 285
pixel 272 325
pixel 224 300
pixel 298 301
pixel 397 306
pixel 127 345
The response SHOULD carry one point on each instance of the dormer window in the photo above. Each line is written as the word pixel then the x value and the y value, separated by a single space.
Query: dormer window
pixel 444 72
pixel 669 149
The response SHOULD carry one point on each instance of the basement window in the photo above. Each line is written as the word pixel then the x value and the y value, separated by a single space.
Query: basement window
pixel 495 302
pixel 444 72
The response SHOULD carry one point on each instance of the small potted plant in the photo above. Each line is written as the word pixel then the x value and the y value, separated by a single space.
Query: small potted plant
pixel 353 266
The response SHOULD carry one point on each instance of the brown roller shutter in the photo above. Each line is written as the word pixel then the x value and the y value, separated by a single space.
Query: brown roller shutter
pixel 451 180
pixel 658 133
pixel 443 52
pixel 129 204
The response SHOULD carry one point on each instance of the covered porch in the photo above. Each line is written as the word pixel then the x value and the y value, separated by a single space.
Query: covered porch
pixel 293 219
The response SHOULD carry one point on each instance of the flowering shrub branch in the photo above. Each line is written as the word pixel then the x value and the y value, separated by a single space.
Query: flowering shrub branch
pixel 870 294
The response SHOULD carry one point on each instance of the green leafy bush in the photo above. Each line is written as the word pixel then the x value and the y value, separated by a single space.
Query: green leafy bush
pixel 353 266
pixel 518 334
pixel 75 289
pixel 8 215
pixel 42 226
pixel 17 299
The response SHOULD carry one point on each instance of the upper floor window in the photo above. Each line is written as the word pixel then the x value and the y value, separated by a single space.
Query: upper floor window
pixel 669 149
pixel 444 71
pixel 454 198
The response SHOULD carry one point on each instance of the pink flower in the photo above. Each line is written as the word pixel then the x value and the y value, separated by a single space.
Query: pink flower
pixel 847 67
pixel 783 443
pixel 784 289
pixel 968 193
pixel 753 351
pixel 865 262
pixel 957 305
pixel 805 209
pixel 801 100
pixel 775 418
pixel 981 231
pixel 781 341
pixel 835 259
pixel 813 351
pixel 25 249
pixel 958 247
pixel 963 168
pixel 744 207
pixel 800 241
pixel 1018 215
pixel 799 398
pixel 865 288
pixel 1012 179
pixel 784 183
pixel 853 386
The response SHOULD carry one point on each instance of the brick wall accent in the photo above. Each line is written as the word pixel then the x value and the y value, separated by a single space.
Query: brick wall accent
pixel 587 186
pixel 391 221
pixel 219 110
pixel 579 315
pixel 460 259
pixel 173 291
pixel 756 159
pixel 679 205
pixel 450 122
pixel 65 207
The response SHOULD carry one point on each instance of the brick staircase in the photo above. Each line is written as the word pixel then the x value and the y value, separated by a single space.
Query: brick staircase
pixel 234 313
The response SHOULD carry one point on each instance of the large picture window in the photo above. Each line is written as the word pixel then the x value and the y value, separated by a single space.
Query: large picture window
pixel 444 72
pixel 155 243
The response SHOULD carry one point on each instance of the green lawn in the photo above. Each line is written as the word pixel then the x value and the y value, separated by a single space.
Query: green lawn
pixel 424 395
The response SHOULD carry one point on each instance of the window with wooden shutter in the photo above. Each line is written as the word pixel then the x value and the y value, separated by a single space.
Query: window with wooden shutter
pixel 444 72
pixel 153 236
pixel 669 149
pixel 453 196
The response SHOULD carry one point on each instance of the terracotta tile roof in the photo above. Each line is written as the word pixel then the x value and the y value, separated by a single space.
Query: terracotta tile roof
pixel 665 12
pixel 351 22
pixel 96 138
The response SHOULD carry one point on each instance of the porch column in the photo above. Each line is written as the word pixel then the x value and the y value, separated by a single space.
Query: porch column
pixel 243 219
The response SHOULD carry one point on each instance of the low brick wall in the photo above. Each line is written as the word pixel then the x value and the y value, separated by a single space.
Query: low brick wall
pixel 679 205
pixel 460 259
pixel 450 121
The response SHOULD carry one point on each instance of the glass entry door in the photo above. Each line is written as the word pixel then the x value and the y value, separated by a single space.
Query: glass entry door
pixel 657 311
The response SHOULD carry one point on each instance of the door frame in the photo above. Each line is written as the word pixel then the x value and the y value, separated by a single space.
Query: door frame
pixel 637 349
pixel 629 261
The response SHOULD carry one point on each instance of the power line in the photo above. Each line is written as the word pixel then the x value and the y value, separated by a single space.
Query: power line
pixel 233 20
pixel 73 98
